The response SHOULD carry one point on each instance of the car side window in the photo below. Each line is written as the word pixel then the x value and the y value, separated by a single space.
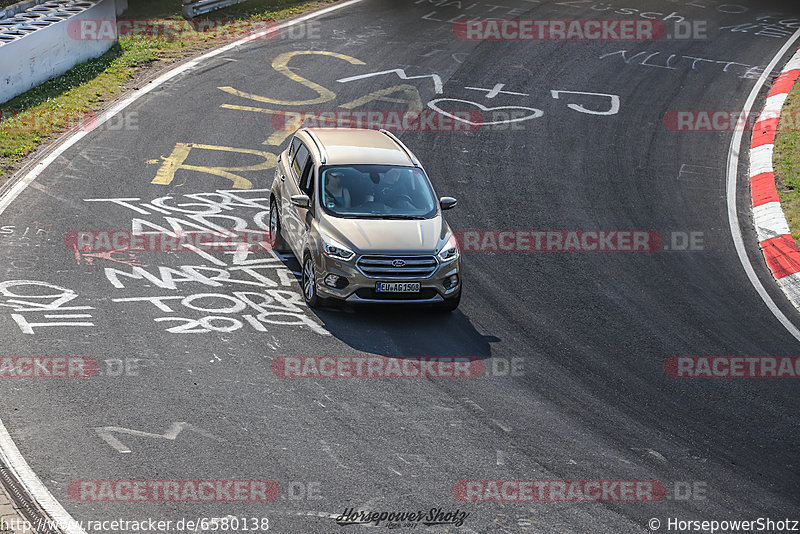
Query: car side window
pixel 301 158
pixel 307 179
pixel 293 147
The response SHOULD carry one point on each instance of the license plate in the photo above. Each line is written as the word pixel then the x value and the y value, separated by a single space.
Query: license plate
pixel 398 287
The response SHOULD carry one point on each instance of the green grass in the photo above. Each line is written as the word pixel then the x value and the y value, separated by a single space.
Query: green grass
pixel 56 105
pixel 786 160
pixel 251 9
pixel 38 115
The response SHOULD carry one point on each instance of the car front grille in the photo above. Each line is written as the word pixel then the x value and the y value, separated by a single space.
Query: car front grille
pixel 398 267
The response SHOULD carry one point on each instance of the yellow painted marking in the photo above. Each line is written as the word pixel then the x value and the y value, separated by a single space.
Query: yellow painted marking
pixel 175 161
pixel 166 172
pixel 280 64
pixel 277 137
pixel 296 117
pixel 292 120
pixel 251 108
pixel 412 98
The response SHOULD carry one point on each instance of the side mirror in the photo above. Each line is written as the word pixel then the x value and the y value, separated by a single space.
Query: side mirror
pixel 447 203
pixel 301 201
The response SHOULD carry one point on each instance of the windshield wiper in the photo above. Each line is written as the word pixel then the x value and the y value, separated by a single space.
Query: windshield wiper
pixel 392 216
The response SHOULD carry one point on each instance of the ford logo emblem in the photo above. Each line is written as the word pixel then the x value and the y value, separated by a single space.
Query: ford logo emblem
pixel 398 263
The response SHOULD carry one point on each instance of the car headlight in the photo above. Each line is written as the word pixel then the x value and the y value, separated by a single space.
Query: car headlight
pixel 450 251
pixel 336 250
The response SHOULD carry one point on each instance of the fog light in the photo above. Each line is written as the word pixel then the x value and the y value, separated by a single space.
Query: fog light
pixel 336 281
pixel 451 282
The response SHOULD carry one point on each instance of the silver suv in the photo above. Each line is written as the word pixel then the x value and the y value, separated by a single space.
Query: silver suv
pixel 358 211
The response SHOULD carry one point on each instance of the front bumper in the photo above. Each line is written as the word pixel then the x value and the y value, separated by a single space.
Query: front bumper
pixel 360 288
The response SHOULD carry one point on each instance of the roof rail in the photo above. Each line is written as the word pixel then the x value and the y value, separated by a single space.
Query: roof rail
pixel 394 138
pixel 322 154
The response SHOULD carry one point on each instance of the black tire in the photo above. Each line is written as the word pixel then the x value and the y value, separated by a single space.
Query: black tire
pixel 276 241
pixel 308 283
pixel 450 304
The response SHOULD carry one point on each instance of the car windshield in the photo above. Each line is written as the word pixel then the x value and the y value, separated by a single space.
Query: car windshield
pixel 377 191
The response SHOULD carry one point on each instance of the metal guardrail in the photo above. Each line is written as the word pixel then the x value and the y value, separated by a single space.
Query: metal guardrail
pixel 192 8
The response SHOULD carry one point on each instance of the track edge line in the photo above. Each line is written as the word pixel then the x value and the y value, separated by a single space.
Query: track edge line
pixel 731 186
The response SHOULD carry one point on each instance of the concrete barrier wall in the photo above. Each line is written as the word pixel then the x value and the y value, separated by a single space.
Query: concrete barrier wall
pixel 34 55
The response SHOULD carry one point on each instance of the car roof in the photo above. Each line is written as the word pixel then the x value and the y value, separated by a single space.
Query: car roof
pixel 358 146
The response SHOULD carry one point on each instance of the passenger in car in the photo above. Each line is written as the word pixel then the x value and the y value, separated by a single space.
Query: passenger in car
pixel 335 192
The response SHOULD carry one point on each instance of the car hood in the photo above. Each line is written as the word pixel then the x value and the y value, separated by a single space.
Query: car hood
pixel 368 236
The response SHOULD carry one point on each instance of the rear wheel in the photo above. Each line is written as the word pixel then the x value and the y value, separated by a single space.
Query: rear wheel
pixel 276 241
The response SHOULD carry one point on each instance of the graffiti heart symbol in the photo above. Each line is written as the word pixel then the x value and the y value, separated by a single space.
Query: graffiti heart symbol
pixel 536 113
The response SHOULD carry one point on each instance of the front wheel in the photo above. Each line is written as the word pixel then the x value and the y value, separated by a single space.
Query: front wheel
pixel 309 283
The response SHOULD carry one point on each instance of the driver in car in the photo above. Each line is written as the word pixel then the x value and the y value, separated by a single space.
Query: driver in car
pixel 394 187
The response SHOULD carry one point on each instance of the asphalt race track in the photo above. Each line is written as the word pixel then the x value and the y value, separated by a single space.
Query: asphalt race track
pixel 586 334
